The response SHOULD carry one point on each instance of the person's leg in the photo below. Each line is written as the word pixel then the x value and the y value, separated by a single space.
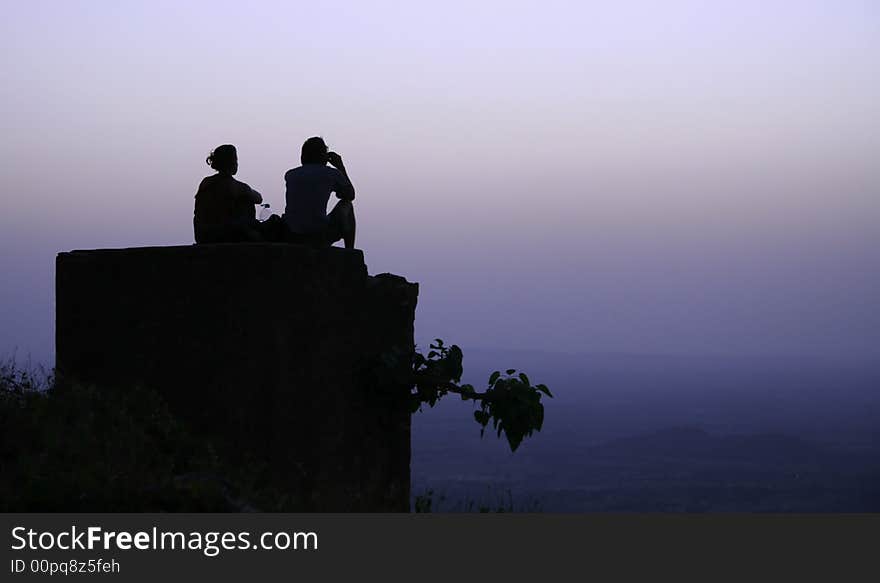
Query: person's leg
pixel 342 223
pixel 272 229
pixel 233 232
pixel 212 234
pixel 248 232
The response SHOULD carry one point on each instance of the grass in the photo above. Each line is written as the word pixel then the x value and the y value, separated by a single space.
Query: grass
pixel 494 501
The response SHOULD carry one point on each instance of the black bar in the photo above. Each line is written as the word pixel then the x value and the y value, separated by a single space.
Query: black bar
pixel 514 547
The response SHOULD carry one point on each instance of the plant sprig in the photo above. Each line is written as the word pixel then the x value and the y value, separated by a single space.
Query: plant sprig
pixel 510 402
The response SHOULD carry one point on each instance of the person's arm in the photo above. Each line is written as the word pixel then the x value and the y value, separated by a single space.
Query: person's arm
pixel 344 188
pixel 251 194
pixel 199 199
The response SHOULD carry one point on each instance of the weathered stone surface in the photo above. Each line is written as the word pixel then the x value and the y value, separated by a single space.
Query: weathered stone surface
pixel 267 348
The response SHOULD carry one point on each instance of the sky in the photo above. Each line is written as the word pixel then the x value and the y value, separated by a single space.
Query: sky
pixel 627 176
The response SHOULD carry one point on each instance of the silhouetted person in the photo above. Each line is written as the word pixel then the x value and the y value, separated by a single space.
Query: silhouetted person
pixel 224 207
pixel 308 190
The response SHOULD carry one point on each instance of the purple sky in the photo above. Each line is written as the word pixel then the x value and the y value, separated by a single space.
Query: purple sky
pixel 575 176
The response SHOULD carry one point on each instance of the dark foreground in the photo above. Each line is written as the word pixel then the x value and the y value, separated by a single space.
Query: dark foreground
pixel 624 434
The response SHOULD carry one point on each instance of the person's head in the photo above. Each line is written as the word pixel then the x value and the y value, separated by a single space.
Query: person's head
pixel 223 159
pixel 314 151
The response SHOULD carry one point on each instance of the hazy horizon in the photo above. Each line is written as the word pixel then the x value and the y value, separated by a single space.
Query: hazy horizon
pixel 560 176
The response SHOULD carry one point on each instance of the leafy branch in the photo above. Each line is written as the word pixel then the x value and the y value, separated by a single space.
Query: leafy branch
pixel 510 401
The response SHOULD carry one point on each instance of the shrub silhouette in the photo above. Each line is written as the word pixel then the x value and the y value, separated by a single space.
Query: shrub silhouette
pixel 75 448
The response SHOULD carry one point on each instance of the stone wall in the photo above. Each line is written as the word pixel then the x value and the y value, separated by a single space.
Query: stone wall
pixel 268 349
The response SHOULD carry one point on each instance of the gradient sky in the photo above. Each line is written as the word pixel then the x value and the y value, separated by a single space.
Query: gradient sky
pixel 573 176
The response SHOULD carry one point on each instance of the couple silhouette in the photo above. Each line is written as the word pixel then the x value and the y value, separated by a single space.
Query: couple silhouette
pixel 225 208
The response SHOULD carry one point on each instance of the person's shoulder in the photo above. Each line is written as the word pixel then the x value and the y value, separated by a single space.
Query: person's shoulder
pixel 207 181
pixel 218 178
pixel 293 172
pixel 334 172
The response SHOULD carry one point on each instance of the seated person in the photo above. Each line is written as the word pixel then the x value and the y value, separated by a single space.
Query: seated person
pixel 308 191
pixel 224 208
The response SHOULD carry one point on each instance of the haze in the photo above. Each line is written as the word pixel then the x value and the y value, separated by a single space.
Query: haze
pixel 677 177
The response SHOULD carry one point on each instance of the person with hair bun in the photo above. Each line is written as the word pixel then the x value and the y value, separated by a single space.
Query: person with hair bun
pixel 225 207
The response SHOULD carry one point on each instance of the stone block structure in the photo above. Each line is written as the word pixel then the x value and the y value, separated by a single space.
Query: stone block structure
pixel 270 350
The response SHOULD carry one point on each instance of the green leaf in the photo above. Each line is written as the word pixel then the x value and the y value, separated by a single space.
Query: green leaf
pixel 510 371
pixel 494 377
pixel 545 390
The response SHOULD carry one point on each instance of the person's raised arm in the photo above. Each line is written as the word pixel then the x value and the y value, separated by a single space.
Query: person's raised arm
pixel 344 188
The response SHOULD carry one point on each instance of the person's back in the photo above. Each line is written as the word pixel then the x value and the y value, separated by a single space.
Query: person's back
pixel 308 190
pixel 224 207
pixel 220 199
